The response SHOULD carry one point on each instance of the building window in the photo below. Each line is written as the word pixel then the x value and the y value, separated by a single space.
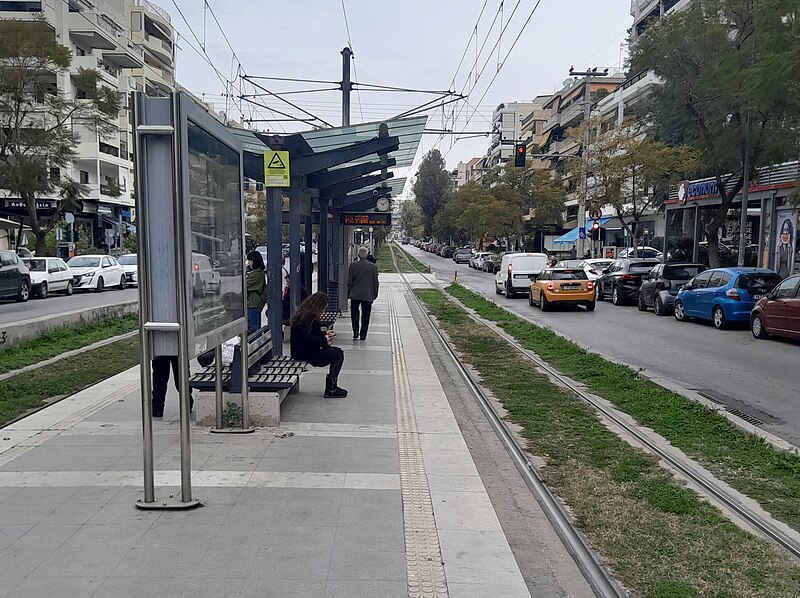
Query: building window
pixel 83 177
pixel 20 7
pixel 80 94
pixel 79 51
pixel 55 174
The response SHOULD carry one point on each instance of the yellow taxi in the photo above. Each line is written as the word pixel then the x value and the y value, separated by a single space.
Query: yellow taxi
pixel 562 286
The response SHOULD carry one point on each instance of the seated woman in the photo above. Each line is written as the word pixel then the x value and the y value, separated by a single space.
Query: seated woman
pixel 311 344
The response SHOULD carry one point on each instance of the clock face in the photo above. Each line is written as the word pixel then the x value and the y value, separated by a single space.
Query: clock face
pixel 383 204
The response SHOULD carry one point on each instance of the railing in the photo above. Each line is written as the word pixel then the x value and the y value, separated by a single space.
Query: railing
pixel 153 8
pixel 109 150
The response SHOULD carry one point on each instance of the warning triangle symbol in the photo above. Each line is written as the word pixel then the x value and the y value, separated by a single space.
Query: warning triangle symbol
pixel 276 162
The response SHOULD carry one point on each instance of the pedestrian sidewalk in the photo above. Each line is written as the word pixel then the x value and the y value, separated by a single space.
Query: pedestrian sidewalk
pixel 372 495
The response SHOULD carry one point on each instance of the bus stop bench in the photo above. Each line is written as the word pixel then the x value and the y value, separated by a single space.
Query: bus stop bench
pixel 270 379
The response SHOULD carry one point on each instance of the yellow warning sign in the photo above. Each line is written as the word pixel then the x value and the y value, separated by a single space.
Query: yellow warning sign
pixel 276 169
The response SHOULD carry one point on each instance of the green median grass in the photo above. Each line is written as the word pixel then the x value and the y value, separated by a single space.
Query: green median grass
pixel 416 265
pixel 31 390
pixel 659 538
pixel 55 343
pixel 744 461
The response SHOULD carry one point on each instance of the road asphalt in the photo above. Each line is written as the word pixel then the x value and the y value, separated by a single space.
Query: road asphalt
pixel 57 303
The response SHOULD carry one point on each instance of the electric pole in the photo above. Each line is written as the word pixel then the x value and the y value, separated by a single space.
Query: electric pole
pixel 580 244
pixel 347 86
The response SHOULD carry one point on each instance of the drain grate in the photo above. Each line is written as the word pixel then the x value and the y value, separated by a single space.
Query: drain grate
pixel 739 408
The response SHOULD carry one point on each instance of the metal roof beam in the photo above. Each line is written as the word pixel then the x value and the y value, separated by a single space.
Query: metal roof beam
pixel 340 175
pixel 354 185
pixel 323 160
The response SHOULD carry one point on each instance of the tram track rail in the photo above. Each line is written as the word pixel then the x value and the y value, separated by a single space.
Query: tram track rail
pixel 595 574
pixel 684 466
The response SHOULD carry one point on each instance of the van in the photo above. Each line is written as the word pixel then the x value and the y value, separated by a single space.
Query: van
pixel 516 270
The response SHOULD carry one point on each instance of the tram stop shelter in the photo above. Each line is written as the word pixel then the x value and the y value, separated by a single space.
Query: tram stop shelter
pixel 332 172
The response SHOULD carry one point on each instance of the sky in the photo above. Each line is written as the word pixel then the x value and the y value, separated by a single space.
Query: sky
pixel 414 44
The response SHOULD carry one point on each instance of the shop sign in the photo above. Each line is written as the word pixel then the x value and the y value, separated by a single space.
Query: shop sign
pixel 101 209
pixel 702 189
pixel 19 204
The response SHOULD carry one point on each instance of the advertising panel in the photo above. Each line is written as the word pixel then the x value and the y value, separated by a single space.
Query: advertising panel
pixel 785 242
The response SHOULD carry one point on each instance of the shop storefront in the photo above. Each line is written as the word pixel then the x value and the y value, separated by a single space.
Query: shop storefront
pixel 771 233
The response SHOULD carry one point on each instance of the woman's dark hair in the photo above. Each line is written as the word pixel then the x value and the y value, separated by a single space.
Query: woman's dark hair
pixel 257 259
pixel 310 310
pixel 786 228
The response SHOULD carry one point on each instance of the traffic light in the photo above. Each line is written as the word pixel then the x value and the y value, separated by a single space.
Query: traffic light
pixel 520 152
pixel 595 230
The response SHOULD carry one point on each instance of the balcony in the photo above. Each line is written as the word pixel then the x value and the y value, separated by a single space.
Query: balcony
pixel 152 8
pixel 160 48
pixel 108 75
pixel 94 30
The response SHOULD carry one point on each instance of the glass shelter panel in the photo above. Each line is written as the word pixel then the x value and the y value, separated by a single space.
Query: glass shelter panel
pixel 215 211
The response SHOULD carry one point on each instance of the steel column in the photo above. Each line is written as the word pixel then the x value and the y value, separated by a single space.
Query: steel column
pixel 294 244
pixel 309 255
pixel 274 201
pixel 322 247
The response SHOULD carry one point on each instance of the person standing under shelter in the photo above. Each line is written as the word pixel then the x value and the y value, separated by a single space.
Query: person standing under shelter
pixel 362 290
pixel 256 285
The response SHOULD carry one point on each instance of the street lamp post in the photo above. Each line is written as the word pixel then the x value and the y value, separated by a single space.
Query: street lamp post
pixel 588 75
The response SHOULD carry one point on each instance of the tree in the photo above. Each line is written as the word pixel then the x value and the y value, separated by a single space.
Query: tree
pixel 432 187
pixel 411 218
pixel 255 212
pixel 631 171
pixel 731 86
pixel 37 121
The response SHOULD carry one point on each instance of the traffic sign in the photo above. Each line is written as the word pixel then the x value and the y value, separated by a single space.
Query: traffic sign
pixel 595 214
pixel 276 169
pixel 581 233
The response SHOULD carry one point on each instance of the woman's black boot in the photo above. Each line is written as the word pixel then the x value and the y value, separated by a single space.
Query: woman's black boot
pixel 332 391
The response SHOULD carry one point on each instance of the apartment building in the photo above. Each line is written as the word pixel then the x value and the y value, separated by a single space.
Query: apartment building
pixel 532 133
pixel 506 131
pixel 465 172
pixel 131 44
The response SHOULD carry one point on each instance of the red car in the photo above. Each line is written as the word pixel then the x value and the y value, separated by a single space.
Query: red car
pixel 779 312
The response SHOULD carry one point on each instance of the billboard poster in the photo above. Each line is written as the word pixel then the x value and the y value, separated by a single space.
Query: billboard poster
pixel 785 242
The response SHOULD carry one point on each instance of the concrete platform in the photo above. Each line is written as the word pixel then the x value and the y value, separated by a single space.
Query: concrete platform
pixel 373 495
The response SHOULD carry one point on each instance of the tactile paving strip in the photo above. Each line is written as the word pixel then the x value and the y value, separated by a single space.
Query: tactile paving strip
pixel 424 566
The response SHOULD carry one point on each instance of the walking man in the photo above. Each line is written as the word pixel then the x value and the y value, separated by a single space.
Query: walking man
pixel 362 290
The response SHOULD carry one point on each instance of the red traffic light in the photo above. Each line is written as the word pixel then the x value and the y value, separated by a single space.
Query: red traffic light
pixel 595 225
pixel 520 149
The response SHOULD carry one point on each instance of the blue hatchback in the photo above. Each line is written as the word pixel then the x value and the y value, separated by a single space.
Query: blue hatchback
pixel 724 295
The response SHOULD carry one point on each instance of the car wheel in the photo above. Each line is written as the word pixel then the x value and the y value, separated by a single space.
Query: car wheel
pixel 530 298
pixel 757 327
pixel 598 293
pixel 680 314
pixel 123 283
pixel 615 297
pixel 509 292
pixel 658 307
pixel 591 306
pixel 70 288
pixel 543 303
pixel 24 291
pixel 497 289
pixel 718 317
pixel 100 285
pixel 640 303
pixel 43 291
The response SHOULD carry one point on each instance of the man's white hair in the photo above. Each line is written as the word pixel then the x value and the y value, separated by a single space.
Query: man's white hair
pixel 363 252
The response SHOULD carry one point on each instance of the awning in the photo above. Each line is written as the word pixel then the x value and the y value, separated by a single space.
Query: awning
pixel 572 236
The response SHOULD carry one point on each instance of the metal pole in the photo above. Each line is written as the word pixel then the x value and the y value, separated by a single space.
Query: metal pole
pixel 183 317
pixel 245 383
pixel 145 373
pixel 308 237
pixel 347 55
pixel 745 194
pixel 218 386
pixel 274 199
pixel 294 244
pixel 582 201
pixel 322 247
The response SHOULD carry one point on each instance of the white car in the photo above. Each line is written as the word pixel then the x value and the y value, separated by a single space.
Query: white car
pixel 49 275
pixel 641 252
pixel 130 266
pixel 516 270
pixel 477 259
pixel 205 279
pixel 96 272
pixel 594 267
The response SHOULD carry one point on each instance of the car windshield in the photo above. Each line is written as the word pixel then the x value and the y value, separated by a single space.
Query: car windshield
pixel 568 275
pixel 569 264
pixel 36 265
pixel 84 262
pixel 642 266
pixel 682 272
pixel 758 282
pixel 127 260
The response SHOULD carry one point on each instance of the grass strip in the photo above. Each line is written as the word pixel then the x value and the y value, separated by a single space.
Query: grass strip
pixel 744 461
pixel 416 265
pixel 384 257
pixel 52 344
pixel 31 390
pixel 659 537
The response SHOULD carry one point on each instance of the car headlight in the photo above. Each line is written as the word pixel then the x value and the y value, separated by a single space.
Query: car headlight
pixel 89 274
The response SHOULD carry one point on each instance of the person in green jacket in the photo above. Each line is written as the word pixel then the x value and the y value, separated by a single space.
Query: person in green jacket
pixel 256 281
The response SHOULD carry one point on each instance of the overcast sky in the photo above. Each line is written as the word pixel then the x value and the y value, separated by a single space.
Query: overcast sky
pixel 405 43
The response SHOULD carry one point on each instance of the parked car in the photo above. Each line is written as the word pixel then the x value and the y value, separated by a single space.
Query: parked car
pixel 447 251
pixel 49 274
pixel 641 252
pixel 476 261
pixel 594 266
pixel 96 272
pixel 15 280
pixel 622 279
pixel 779 312
pixel 568 264
pixel 130 267
pixel 562 286
pixel 516 270
pixel 205 279
pixel 661 285
pixel 724 295
pixel 24 253
pixel 491 263
pixel 462 256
